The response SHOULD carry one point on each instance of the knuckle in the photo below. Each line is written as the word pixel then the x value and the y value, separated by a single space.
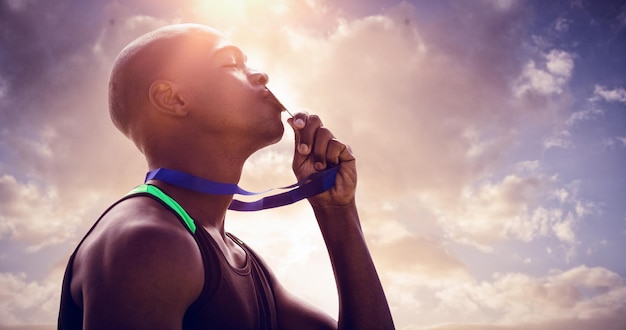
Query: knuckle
pixel 325 132
pixel 315 119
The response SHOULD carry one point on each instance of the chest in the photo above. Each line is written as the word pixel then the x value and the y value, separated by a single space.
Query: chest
pixel 236 298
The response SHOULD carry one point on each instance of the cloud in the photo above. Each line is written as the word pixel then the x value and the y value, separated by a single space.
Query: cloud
pixel 449 143
pixel 18 221
pixel 523 206
pixel 30 327
pixel 559 66
pixel 580 294
pixel 561 136
pixel 562 24
pixel 561 139
pixel 621 140
pixel 560 63
pixel 427 105
pixel 26 301
pixel 57 153
pixel 583 115
pixel 16 5
pixel 609 95
pixel 430 263
pixel 430 111
pixel 610 322
pixel 502 5
pixel 4 88
pixel 428 124
pixel 412 266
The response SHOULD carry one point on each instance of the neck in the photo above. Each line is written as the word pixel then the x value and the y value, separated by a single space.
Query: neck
pixel 206 209
pixel 219 164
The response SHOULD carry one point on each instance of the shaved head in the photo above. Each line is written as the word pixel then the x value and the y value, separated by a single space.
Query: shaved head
pixel 150 57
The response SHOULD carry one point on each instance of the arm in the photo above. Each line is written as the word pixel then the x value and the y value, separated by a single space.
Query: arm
pixel 128 270
pixel 362 302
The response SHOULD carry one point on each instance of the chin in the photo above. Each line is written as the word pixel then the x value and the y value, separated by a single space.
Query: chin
pixel 278 135
pixel 271 135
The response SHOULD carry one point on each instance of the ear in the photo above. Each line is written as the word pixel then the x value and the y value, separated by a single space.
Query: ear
pixel 165 98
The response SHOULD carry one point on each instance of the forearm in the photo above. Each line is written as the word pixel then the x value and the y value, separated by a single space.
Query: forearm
pixel 362 302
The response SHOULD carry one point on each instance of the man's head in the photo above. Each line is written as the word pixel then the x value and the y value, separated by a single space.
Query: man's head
pixel 188 84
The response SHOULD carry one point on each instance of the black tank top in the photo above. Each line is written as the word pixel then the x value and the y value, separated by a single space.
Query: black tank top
pixel 231 298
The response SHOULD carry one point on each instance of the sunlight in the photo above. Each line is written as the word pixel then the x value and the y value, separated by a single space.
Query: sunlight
pixel 237 15
pixel 237 11
pixel 291 243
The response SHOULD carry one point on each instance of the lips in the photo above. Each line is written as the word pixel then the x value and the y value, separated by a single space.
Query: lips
pixel 269 95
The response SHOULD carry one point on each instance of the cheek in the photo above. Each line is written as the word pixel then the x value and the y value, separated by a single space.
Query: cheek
pixel 225 88
pixel 219 92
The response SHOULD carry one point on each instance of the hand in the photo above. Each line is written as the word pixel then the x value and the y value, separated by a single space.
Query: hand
pixel 317 149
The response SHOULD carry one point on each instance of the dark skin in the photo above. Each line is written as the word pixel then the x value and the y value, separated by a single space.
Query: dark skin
pixel 138 244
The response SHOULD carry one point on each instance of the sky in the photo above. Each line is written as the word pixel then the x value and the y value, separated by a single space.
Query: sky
pixel 490 138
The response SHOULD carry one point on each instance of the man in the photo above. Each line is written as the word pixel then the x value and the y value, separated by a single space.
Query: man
pixel 185 96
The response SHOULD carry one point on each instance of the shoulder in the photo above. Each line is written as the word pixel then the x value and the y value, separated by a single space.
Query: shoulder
pixel 140 223
pixel 133 259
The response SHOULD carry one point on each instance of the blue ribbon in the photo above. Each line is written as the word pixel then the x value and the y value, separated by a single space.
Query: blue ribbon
pixel 310 186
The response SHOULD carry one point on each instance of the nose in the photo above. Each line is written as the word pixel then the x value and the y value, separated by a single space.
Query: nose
pixel 259 77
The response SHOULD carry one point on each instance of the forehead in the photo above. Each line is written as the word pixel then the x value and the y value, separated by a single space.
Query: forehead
pixel 170 51
pixel 205 47
pixel 201 42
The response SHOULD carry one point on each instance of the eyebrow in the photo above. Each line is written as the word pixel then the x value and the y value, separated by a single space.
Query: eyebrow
pixel 232 50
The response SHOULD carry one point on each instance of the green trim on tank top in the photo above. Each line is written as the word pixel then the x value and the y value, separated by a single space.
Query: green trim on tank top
pixel 158 193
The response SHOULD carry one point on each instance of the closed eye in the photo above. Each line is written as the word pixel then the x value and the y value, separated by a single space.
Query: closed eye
pixel 232 57
pixel 232 65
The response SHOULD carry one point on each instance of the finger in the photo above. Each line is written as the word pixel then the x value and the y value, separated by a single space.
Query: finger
pixel 323 137
pixel 338 152
pixel 307 134
pixel 333 152
pixel 346 154
pixel 297 122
